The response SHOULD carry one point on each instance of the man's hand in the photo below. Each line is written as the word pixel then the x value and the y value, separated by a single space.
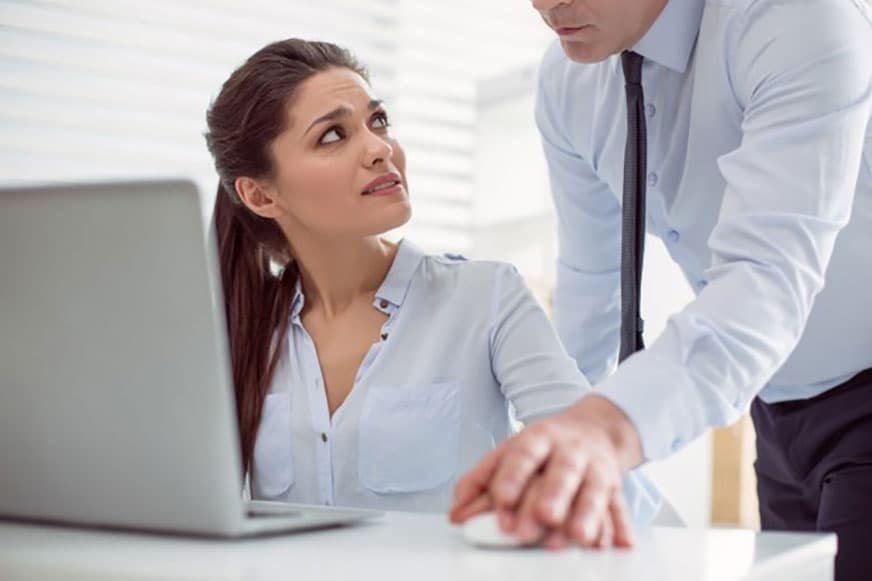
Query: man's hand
pixel 560 477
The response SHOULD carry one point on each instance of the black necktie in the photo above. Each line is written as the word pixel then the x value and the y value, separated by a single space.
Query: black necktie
pixel 633 218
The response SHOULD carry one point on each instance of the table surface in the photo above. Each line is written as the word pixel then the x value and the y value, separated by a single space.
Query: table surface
pixel 405 546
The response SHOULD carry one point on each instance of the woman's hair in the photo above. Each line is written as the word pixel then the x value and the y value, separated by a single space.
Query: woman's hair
pixel 257 271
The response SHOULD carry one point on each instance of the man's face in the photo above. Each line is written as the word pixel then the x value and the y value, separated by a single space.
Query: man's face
pixel 592 30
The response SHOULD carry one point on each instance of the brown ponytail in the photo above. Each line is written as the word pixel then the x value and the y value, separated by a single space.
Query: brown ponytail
pixel 257 306
pixel 257 272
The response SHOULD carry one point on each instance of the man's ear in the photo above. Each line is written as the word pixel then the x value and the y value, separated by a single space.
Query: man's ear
pixel 257 197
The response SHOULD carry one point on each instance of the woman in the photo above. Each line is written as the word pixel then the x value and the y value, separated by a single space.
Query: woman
pixel 367 373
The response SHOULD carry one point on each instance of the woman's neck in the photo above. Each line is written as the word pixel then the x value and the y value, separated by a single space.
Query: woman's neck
pixel 337 273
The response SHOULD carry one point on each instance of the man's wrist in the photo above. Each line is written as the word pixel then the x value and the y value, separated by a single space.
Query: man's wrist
pixel 621 432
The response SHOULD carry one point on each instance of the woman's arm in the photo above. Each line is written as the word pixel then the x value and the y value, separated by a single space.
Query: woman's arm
pixel 540 379
pixel 528 360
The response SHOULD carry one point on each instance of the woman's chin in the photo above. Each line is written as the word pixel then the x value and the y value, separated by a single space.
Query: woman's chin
pixel 390 218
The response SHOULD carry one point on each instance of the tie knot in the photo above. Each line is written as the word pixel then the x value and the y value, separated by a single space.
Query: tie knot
pixel 632 62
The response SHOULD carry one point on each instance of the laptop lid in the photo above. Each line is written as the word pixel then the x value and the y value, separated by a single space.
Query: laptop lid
pixel 116 405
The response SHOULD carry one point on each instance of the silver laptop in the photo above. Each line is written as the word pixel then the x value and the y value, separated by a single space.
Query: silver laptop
pixel 116 406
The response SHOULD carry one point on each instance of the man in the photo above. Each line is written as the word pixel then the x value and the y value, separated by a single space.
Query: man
pixel 746 124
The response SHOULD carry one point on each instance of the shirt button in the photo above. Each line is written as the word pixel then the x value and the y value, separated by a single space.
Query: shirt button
pixel 650 109
pixel 323 437
pixel 673 236
pixel 383 304
pixel 652 179
pixel 384 336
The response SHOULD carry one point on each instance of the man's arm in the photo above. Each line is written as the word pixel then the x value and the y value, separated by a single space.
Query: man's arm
pixel 803 76
pixel 587 294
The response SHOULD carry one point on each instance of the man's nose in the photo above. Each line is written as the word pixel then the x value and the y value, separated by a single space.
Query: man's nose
pixel 542 5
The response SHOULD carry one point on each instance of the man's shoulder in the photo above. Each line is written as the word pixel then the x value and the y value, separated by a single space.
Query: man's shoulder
pixel 749 12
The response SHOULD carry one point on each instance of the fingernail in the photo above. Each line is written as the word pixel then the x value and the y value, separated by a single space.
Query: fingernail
pixel 508 490
pixel 528 530
pixel 588 526
pixel 506 520
pixel 557 509
pixel 584 526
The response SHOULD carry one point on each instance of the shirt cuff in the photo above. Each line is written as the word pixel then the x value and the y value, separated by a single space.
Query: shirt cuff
pixel 642 497
pixel 661 402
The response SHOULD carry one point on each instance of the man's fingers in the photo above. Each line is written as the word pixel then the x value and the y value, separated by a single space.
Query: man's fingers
pixel 556 540
pixel 607 532
pixel 522 458
pixel 590 507
pixel 528 528
pixel 623 531
pixel 506 519
pixel 563 475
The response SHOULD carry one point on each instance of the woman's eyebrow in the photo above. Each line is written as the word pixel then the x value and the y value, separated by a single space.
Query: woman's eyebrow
pixel 342 111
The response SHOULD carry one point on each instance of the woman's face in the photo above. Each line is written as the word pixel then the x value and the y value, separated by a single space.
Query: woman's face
pixel 338 171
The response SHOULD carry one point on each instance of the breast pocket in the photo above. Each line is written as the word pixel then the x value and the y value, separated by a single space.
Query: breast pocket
pixel 273 468
pixel 409 437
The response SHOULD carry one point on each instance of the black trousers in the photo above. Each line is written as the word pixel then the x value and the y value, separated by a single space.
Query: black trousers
pixel 814 469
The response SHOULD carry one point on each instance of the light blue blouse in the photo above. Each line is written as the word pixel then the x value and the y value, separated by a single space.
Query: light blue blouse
pixel 464 347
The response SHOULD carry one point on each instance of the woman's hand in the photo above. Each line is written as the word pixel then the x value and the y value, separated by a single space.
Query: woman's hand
pixel 560 477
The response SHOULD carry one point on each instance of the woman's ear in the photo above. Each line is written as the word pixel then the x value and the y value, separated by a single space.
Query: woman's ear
pixel 257 197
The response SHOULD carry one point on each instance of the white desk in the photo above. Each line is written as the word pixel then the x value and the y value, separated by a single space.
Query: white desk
pixel 406 547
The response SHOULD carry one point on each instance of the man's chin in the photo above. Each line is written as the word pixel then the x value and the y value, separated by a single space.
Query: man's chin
pixel 581 52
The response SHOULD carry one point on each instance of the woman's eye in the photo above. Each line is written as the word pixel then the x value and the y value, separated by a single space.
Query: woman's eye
pixel 380 120
pixel 332 136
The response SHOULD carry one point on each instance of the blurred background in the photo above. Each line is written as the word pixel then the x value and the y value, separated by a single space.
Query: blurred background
pixel 108 89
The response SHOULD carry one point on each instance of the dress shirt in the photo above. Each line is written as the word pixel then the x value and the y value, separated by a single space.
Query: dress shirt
pixel 759 145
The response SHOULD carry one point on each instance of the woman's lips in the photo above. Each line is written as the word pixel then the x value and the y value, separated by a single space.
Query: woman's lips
pixel 386 190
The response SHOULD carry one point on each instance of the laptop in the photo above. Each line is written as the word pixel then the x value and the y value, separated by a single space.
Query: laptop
pixel 116 404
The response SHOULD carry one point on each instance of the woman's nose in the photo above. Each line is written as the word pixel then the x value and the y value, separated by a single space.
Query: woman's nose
pixel 378 150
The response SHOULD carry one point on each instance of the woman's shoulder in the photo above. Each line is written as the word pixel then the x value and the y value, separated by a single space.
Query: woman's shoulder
pixel 475 282
pixel 452 275
pixel 458 266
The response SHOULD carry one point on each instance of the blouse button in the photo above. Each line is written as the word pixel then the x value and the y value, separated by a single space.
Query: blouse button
pixel 323 437
pixel 383 304
pixel 384 336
